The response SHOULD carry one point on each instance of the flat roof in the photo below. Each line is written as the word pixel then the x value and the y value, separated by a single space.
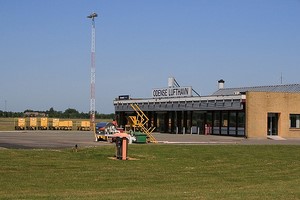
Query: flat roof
pixel 294 88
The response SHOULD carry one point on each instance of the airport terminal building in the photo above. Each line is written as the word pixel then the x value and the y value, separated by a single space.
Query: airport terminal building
pixel 253 112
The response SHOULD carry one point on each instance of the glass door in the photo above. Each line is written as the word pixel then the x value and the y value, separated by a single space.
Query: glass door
pixel 273 123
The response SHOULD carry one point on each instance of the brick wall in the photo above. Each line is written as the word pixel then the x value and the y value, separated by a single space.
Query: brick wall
pixel 259 104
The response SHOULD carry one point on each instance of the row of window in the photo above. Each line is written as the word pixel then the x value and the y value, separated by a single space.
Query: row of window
pixel 218 122
pixel 222 120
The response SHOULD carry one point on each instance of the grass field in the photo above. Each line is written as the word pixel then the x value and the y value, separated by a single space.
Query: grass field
pixel 158 172
pixel 7 124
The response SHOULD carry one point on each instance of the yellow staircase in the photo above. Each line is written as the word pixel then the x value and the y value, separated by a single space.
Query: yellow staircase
pixel 140 121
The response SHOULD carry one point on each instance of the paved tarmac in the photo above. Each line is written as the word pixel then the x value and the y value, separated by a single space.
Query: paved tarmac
pixel 68 139
pixel 47 139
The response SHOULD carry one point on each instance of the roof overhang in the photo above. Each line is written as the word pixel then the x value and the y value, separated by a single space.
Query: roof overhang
pixel 232 102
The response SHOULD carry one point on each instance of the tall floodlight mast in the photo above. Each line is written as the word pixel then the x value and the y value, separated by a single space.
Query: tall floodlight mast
pixel 93 70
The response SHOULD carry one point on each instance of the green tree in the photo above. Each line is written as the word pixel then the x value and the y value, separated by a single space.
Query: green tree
pixel 71 113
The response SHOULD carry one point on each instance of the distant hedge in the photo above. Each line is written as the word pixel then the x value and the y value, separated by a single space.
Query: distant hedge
pixel 68 113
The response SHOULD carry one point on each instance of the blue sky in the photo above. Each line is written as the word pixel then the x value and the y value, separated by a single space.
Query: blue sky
pixel 45 48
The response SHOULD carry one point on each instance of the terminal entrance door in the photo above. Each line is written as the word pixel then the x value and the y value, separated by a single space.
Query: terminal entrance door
pixel 272 123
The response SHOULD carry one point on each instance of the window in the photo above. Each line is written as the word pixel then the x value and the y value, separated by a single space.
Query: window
pixel 241 123
pixel 216 122
pixel 294 120
pixel 224 121
pixel 232 122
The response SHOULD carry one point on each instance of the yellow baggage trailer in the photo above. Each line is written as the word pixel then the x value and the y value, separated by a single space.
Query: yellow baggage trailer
pixel 43 123
pixel 31 124
pixel 65 125
pixel 54 124
pixel 20 124
pixel 84 126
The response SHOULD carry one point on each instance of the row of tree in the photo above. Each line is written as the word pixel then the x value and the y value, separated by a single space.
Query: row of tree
pixel 70 113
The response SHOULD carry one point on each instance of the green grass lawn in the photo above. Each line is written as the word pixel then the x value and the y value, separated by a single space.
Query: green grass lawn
pixel 7 124
pixel 159 172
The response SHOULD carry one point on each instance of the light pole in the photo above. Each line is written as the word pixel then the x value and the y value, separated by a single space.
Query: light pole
pixel 93 71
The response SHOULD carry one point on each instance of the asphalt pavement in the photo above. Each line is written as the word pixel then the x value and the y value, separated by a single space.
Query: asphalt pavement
pixel 68 139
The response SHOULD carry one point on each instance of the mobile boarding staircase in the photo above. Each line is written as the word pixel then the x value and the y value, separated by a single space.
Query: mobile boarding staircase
pixel 140 121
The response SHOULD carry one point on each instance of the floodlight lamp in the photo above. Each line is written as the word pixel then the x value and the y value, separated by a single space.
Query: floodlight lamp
pixel 93 15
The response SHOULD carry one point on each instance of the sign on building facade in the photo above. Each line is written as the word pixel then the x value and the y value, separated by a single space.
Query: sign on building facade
pixel 172 92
